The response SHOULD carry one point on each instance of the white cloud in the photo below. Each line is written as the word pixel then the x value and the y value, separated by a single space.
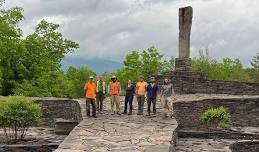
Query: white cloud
pixel 109 29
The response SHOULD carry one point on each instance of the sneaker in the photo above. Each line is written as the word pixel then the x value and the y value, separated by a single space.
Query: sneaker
pixel 118 113
pixel 154 115
pixel 112 114
pixel 124 112
pixel 148 114
pixel 94 116
pixel 130 113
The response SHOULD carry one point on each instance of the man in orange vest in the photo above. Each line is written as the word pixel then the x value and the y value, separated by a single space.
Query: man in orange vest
pixel 90 95
pixel 114 91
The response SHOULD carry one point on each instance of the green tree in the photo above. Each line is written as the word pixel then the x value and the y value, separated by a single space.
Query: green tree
pixel 77 78
pixel 17 114
pixel 255 61
pixel 11 47
pixel 228 69
pixel 146 63
pixel 254 71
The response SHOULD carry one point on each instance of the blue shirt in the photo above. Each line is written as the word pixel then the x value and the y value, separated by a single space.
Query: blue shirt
pixel 152 91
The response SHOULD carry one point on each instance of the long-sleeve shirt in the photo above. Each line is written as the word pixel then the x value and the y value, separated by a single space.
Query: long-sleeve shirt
pixel 152 90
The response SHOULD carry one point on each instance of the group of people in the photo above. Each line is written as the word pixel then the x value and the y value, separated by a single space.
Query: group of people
pixel 95 95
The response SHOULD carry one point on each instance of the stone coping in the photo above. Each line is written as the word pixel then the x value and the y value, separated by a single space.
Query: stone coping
pixel 200 97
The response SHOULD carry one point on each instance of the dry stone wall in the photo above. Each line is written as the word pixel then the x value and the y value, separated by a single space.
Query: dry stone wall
pixel 53 109
pixel 187 82
pixel 244 111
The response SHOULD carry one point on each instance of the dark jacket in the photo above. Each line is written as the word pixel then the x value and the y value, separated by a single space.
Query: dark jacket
pixel 130 90
pixel 152 91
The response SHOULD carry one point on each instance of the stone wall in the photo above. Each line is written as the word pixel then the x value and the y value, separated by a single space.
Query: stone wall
pixel 244 111
pixel 187 82
pixel 245 146
pixel 29 148
pixel 59 108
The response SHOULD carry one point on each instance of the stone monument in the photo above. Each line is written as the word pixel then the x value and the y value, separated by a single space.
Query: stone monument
pixel 183 62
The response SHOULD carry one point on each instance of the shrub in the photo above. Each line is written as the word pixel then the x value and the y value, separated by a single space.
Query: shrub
pixel 17 114
pixel 218 117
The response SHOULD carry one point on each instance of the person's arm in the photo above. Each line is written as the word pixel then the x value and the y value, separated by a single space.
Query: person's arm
pixel 85 88
pixel 136 89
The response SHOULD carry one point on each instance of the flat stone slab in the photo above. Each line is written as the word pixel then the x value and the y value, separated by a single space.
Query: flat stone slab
pixel 121 133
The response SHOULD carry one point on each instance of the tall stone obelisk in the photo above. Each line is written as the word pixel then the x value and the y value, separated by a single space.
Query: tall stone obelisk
pixel 183 62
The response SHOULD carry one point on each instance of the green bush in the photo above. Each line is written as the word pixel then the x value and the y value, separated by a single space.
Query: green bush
pixel 17 114
pixel 218 117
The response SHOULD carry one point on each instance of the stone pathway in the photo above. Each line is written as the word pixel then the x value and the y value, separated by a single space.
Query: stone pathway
pixel 120 133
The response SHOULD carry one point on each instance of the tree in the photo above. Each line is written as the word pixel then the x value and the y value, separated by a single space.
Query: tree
pixel 17 114
pixel 146 63
pixel 229 69
pixel 11 47
pixel 77 78
pixel 254 71
pixel 255 61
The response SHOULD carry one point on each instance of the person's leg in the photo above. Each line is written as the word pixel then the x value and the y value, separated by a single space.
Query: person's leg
pixel 167 102
pixel 164 101
pixel 170 107
pixel 97 102
pixel 139 104
pixel 93 108
pixel 112 104
pixel 101 102
pixel 154 106
pixel 130 104
pixel 142 103
pixel 87 107
pixel 117 102
pixel 148 106
pixel 126 104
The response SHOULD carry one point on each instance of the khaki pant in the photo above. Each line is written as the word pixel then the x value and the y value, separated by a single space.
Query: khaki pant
pixel 167 105
pixel 115 100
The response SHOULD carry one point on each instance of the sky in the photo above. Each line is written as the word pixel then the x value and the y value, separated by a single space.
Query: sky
pixel 109 29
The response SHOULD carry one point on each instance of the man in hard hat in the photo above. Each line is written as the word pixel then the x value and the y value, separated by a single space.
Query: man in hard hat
pixel 114 90
pixel 90 95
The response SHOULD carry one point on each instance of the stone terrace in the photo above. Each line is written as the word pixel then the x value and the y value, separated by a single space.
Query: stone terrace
pixel 120 133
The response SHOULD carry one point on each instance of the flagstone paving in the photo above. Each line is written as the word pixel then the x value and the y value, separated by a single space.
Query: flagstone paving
pixel 120 133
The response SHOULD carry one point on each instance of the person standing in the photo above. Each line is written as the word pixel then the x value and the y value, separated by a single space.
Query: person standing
pixel 141 89
pixel 168 96
pixel 90 95
pixel 152 91
pixel 114 91
pixel 100 94
pixel 130 90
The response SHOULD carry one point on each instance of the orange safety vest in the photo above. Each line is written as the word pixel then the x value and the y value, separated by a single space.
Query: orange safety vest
pixel 114 88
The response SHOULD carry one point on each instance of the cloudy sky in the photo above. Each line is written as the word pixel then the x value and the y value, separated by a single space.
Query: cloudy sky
pixel 110 28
